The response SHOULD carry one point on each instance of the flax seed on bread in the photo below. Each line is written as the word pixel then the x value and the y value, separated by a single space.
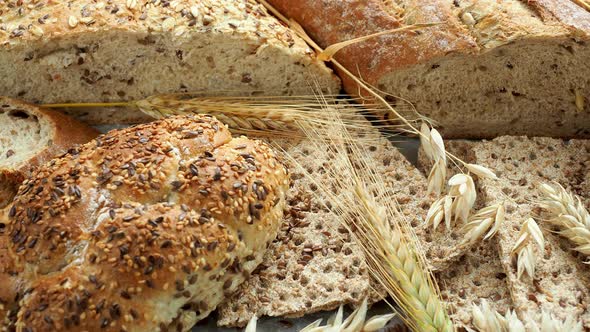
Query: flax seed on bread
pixel 119 50
pixel 143 229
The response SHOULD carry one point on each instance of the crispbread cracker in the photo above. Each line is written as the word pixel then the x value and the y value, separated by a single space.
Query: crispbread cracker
pixel 561 281
pixel 291 284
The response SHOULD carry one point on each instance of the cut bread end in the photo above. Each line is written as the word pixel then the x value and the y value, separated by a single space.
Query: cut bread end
pixel 29 136
pixel 530 87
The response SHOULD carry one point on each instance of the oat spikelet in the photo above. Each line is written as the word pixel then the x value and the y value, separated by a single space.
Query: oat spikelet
pixel 488 220
pixel 486 319
pixel 369 211
pixel 530 233
pixel 569 215
pixel 355 322
pixel 456 205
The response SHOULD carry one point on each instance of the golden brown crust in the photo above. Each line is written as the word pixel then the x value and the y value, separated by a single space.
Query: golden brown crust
pixel 330 22
pixel 131 229
pixel 65 133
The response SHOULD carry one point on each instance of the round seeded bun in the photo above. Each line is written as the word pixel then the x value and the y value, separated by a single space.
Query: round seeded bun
pixel 142 229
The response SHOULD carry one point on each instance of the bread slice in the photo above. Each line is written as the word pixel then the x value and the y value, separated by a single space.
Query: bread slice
pixel 478 275
pixel 313 265
pixel 561 283
pixel 493 68
pixel 29 136
pixel 117 50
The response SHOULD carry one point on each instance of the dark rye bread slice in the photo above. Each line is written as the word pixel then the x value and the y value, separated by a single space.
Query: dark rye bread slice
pixel 313 265
pixel 60 51
pixel 507 67
pixel 478 275
pixel 30 136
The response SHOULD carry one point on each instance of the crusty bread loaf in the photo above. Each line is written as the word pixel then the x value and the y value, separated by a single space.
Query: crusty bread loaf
pixel 490 68
pixel 89 51
pixel 143 229
pixel 29 136
pixel 313 265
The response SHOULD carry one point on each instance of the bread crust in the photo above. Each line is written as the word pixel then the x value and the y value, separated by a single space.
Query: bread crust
pixel 461 72
pixel 329 22
pixel 119 50
pixel 65 133
pixel 143 225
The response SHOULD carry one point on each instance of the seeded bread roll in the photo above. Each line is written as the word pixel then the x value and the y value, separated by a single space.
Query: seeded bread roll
pixel 143 229
pixel 30 136
pixel 116 50
pixel 488 68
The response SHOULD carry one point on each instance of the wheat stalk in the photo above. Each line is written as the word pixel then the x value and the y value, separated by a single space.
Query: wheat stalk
pixel 393 254
pixel 523 248
pixel 569 215
pixel 274 116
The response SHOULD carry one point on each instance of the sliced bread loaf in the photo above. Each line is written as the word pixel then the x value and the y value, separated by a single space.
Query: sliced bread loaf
pixel 29 136
pixel 490 68
pixel 91 51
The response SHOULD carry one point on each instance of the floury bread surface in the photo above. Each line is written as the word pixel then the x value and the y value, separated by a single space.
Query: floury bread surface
pixel 117 50
pixel 488 68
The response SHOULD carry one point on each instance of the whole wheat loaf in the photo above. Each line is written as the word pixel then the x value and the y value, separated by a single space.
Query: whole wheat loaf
pixel 29 136
pixel 561 285
pixel 90 51
pixel 489 68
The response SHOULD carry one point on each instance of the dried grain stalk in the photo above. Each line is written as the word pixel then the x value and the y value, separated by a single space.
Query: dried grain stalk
pixel 356 321
pixel 369 211
pixel 523 250
pixel 273 116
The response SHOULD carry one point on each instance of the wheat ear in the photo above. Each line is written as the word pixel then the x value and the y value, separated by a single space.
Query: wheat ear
pixel 358 196
pixel 569 215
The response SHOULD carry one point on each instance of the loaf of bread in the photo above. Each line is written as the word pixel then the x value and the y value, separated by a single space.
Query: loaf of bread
pixel 30 136
pixel 489 68
pixel 143 229
pixel 89 51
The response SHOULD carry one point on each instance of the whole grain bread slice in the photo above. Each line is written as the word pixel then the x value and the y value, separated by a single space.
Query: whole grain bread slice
pixel 120 50
pixel 314 265
pixel 561 282
pixel 29 136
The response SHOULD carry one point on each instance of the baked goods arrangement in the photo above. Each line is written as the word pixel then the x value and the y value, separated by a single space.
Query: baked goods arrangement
pixel 169 163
